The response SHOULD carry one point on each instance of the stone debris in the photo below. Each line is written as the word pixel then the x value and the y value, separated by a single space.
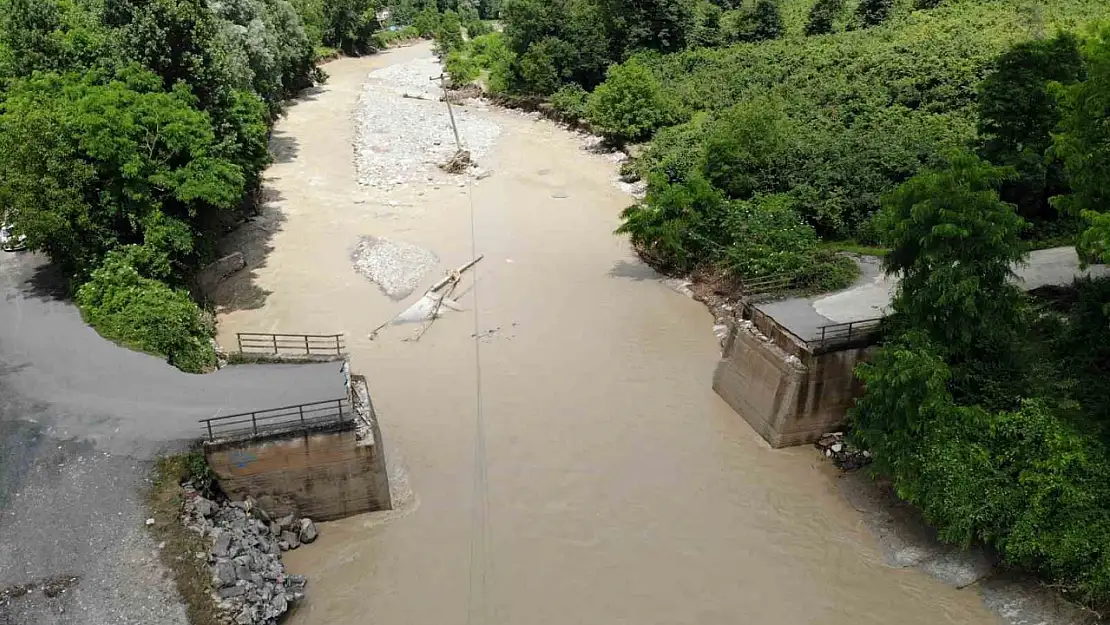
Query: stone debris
pixel 843 454
pixel 49 586
pixel 403 131
pixel 395 266
pixel 251 585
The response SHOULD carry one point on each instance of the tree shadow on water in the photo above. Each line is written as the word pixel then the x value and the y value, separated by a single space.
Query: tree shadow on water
pixel 254 240
pixel 283 147
pixel 633 270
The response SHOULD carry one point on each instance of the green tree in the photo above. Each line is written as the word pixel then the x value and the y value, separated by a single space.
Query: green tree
pixel 1084 145
pixel 767 20
pixel 1018 111
pixel 678 226
pixel 761 22
pixel 448 35
pixel 706 32
pixel 571 41
pixel 87 167
pixel 662 25
pixel 954 243
pixel 873 12
pixel 630 105
pixel 822 16
pixel 747 146
pixel 926 4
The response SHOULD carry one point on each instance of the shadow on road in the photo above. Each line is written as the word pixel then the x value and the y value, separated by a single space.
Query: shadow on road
pixel 46 282
pixel 284 147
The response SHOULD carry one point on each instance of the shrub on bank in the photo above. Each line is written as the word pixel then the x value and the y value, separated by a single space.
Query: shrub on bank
pixel 630 105
pixel 570 102
pixel 145 314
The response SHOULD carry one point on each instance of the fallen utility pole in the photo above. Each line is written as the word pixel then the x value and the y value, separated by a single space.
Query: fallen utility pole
pixel 442 78
pixel 430 301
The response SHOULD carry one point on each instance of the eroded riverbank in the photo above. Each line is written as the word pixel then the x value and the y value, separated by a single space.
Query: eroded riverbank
pixel 602 480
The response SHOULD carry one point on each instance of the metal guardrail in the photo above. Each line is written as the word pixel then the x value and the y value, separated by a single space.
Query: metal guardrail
pixel 839 333
pixel 274 420
pixel 767 284
pixel 306 344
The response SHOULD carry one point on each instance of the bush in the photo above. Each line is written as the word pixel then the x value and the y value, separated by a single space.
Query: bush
pixel 678 226
pixel 822 16
pixel 747 148
pixel 145 314
pixel 873 12
pixel 767 237
pixel 630 105
pixel 448 34
pixel 461 68
pixel 426 22
pixel 1024 480
pixel 676 153
pixel 477 28
pixel 570 102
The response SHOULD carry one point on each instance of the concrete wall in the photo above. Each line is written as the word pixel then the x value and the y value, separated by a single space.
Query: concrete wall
pixel 324 474
pixel 789 399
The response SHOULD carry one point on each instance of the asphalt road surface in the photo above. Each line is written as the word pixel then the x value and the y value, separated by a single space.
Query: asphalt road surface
pixel 80 421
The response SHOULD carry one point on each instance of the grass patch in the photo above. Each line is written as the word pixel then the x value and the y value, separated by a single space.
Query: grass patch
pixel 239 358
pixel 855 247
pixel 324 53
pixel 164 501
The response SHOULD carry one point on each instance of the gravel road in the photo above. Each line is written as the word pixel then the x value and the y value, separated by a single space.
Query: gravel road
pixel 80 421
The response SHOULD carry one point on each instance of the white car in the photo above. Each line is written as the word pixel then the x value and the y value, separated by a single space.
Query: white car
pixel 11 243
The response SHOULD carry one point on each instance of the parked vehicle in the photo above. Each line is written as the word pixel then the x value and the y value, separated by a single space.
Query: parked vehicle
pixel 9 242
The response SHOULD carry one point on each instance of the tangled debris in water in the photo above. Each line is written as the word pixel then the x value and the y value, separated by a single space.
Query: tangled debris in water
pixel 458 163
pixel 844 455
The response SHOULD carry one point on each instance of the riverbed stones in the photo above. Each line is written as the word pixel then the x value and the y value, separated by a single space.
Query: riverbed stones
pixel 395 266
pixel 403 140
pixel 248 577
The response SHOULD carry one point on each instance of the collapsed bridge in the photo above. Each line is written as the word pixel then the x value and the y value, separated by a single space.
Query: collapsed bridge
pixel 788 366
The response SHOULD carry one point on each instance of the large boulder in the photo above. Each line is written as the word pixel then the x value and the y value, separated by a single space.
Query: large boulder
pixel 308 531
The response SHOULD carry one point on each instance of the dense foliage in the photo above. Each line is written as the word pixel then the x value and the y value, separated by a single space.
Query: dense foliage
pixel 833 121
pixel 975 406
pixel 146 314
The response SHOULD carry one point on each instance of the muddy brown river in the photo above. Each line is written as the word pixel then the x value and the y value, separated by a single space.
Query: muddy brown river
pixel 576 467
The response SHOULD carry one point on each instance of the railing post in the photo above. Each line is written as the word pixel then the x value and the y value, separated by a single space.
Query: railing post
pixel 301 410
pixel 274 338
pixel 239 339
pixel 254 424
pixel 339 404
pixel 306 351
pixel 337 348
pixel 209 423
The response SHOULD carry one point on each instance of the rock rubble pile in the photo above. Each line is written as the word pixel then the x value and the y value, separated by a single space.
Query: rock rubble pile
pixel 844 455
pixel 245 557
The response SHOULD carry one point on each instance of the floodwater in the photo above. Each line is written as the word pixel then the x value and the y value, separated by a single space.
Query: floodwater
pixel 573 465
